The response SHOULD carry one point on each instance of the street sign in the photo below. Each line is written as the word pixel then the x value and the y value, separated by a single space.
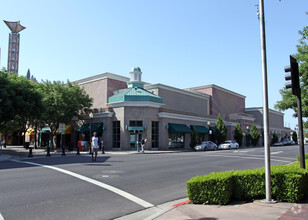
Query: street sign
pixel 61 127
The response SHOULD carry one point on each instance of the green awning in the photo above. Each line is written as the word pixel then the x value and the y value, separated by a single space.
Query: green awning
pixel 135 128
pixel 45 130
pixel 200 129
pixel 85 128
pixel 178 129
pixel 96 127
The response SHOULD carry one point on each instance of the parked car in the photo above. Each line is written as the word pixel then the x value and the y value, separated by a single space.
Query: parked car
pixel 286 142
pixel 278 143
pixel 293 143
pixel 227 145
pixel 206 145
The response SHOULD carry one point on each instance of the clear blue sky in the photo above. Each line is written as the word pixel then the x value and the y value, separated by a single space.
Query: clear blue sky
pixel 174 42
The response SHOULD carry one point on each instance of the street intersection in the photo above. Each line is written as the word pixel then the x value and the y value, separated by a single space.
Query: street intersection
pixel 74 187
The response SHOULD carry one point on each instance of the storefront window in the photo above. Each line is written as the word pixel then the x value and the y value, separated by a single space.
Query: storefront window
pixel 155 134
pixel 176 141
pixel 116 134
pixel 135 123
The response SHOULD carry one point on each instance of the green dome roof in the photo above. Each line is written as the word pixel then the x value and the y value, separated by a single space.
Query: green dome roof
pixel 136 68
pixel 135 94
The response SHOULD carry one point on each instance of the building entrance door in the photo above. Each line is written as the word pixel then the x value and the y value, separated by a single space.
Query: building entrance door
pixel 134 139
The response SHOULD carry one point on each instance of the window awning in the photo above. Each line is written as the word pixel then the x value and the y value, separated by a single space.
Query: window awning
pixel 178 129
pixel 96 127
pixel 135 128
pixel 45 130
pixel 200 129
pixel 68 130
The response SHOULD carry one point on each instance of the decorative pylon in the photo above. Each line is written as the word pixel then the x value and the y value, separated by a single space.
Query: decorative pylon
pixel 14 39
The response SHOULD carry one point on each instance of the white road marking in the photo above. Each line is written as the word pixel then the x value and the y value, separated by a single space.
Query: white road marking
pixel 253 158
pixel 120 192
pixel 277 152
pixel 1 217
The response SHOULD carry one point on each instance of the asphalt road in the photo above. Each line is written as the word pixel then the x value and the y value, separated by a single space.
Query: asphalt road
pixel 73 187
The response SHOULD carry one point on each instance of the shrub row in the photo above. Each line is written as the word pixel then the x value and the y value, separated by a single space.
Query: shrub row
pixel 289 184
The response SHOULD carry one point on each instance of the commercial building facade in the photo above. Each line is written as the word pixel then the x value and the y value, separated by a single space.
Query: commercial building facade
pixel 125 110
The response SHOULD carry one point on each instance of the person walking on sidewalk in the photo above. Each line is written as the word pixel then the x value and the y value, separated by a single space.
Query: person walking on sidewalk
pixel 94 146
pixel 142 144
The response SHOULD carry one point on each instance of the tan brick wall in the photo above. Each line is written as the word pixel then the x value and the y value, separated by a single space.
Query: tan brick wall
pixel 223 103
pixel 182 102
pixel 101 90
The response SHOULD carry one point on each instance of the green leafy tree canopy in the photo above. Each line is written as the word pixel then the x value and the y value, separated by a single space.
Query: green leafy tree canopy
pixel 238 134
pixel 254 134
pixel 63 102
pixel 289 101
pixel 220 130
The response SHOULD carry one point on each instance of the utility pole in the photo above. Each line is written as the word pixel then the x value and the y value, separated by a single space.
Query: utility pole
pixel 267 159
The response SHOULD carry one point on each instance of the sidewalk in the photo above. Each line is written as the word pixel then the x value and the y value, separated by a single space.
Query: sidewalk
pixel 253 211
pixel 20 151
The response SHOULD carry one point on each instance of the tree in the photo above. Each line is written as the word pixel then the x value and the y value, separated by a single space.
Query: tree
pixel 28 74
pixel 63 102
pixel 254 134
pixel 21 103
pixel 238 134
pixel 7 96
pixel 220 130
pixel 275 138
pixel 294 137
pixel 194 138
pixel 289 101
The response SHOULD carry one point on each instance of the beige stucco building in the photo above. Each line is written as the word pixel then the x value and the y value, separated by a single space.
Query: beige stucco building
pixel 125 110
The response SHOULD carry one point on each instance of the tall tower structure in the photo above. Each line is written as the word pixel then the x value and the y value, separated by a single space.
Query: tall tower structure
pixel 14 39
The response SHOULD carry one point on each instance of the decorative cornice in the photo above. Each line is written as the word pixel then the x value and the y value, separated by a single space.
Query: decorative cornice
pixel 217 87
pixel 260 109
pixel 102 76
pixel 182 91
pixel 185 117
pixel 103 115
pixel 135 104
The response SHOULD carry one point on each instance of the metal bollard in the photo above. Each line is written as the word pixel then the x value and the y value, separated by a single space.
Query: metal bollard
pixel 78 153
pixel 103 147
pixel 30 152
pixel 63 151
pixel 48 151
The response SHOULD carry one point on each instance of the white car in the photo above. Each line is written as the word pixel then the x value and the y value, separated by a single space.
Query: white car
pixel 227 145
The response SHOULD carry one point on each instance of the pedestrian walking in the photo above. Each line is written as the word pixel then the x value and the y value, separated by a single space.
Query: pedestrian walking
pixel 142 144
pixel 94 146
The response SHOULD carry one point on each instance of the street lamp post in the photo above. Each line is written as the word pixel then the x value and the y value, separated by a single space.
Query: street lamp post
pixel 210 132
pixel 91 116
pixel 268 190
pixel 247 137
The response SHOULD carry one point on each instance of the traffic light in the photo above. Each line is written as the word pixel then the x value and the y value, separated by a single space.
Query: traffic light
pixel 293 76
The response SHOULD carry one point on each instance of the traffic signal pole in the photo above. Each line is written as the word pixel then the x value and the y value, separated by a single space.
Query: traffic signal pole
pixel 296 90
pixel 300 129
pixel 267 159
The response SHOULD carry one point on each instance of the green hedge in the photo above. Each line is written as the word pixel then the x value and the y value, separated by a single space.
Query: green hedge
pixel 217 190
pixel 289 184
pixel 306 157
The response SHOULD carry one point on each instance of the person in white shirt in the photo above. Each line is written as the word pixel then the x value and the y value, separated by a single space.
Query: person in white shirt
pixel 94 146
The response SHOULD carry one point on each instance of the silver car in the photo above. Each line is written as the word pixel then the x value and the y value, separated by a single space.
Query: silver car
pixel 206 145
pixel 227 145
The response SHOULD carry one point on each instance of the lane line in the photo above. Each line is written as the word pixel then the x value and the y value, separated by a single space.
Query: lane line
pixel 277 152
pixel 1 217
pixel 253 158
pixel 120 192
